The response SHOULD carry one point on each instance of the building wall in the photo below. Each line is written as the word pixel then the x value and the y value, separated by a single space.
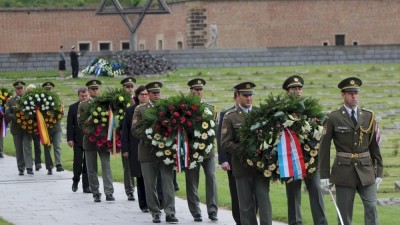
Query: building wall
pixel 241 24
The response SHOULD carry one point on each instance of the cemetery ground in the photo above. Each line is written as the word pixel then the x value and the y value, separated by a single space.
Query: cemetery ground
pixel 380 93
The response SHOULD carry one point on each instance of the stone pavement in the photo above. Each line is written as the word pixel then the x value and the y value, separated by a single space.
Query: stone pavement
pixel 48 200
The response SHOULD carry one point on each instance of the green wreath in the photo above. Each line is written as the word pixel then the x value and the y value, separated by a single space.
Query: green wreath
pixel 177 122
pixel 263 126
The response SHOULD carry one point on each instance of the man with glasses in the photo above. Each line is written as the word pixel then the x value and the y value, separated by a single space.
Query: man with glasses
pixel 22 140
pixel 192 175
pixel 91 150
pixel 150 165
pixel 129 86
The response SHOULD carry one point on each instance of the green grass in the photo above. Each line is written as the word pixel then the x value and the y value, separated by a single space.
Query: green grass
pixel 3 222
pixel 380 92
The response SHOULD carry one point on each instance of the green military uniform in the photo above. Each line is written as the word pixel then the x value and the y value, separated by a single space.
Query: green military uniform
pixel 22 140
pixel 91 154
pixel 251 185
pixel 151 167
pixel 192 175
pixel 358 159
pixel 293 188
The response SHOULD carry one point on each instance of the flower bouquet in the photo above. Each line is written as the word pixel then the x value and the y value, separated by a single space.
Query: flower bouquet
pixel 180 131
pixel 281 137
pixel 4 96
pixel 39 111
pixel 105 68
pixel 105 114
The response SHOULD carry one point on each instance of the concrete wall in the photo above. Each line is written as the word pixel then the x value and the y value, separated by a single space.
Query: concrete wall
pixel 202 58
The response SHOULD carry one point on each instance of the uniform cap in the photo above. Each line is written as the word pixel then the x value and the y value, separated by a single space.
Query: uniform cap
pixel 196 83
pixel 245 88
pixel 154 87
pixel 293 81
pixel 128 80
pixel 19 84
pixel 350 84
pixel 48 85
pixel 93 84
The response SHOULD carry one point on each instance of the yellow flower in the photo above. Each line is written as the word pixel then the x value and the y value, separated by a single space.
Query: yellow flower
pixel 95 121
pixel 313 153
pixel 103 124
pixel 202 146
pixel 48 113
pixel 18 120
pixel 167 152
pixel 23 127
pixel 306 165
pixel 5 93
pixel 272 167
pixel 260 164
pixel 23 117
pixel 46 120
pixel 128 105
pixel 18 115
pixel 103 119
pixel 30 121
pixel 267 173
pixel 317 146
pixel 311 160
pixel 161 145
pixel 311 170
pixel 95 113
pixel 24 123
pixel 249 162
pixel 307 147
pixel 204 136
pixel 51 119
pixel 121 99
pixel 121 111
pixel 196 155
pixel 22 113
pixel 157 136
pixel 59 116
pixel 103 113
pixel 99 109
pixel 204 125
pixel 29 127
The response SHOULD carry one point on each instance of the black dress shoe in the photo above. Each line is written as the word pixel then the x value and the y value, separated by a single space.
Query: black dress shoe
pixel 145 210
pixel 21 172
pixel 38 167
pixel 131 197
pixel 176 188
pixel 156 219
pixel 1 155
pixel 171 218
pixel 59 168
pixel 74 186
pixel 29 171
pixel 97 197
pixel 49 172
pixel 197 218
pixel 87 190
pixel 213 216
pixel 110 197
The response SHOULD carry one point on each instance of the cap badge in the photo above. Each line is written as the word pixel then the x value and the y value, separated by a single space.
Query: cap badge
pixel 295 79
pixel 156 85
pixel 352 82
pixel 247 85
pixel 94 82
pixel 199 81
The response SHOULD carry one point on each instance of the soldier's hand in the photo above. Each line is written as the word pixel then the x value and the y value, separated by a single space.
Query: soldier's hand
pixel 70 144
pixel 378 181
pixel 325 184
pixel 125 154
pixel 225 166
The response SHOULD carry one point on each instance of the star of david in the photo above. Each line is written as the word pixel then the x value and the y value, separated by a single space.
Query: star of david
pixel 159 8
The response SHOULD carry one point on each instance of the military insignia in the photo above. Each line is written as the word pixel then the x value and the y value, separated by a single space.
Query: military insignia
pixel 130 79
pixel 134 119
pixel 247 85
pixel 199 81
pixel 224 129
pixel 94 82
pixel 156 85
pixel 352 82
pixel 296 79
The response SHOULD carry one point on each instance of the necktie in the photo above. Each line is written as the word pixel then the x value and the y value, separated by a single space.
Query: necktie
pixel 353 118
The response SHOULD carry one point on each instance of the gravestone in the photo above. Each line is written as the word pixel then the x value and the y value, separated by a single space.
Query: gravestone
pixel 397 186
pixel 389 201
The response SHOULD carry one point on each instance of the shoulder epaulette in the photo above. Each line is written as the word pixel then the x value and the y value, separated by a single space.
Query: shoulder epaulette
pixel 231 111
pixel 367 110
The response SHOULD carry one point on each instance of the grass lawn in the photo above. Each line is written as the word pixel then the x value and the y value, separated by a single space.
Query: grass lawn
pixel 380 93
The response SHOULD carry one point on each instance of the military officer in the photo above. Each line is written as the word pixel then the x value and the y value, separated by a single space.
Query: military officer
pixel 55 135
pixel 251 185
pixel 91 149
pixel 358 163
pixel 150 165
pixel 192 176
pixel 294 86
pixel 129 86
pixel 22 140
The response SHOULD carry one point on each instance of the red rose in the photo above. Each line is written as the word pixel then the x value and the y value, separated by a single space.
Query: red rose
pixel 109 144
pixel 176 114
pixel 183 119
pixel 183 106
pixel 157 127
pixel 99 128
pixel 117 137
pixel 92 138
pixel 119 143
pixel 99 143
pixel 97 133
pixel 161 114
pixel 189 113
pixel 166 134
pixel 104 140
pixel 194 107
pixel 169 129
pixel 173 121
pixel 171 108
pixel 188 123
pixel 199 118
pixel 164 122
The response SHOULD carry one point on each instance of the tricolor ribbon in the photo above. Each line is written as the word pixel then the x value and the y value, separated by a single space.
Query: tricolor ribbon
pixel 290 156
pixel 111 131
pixel 182 152
pixel 42 127
pixel 3 123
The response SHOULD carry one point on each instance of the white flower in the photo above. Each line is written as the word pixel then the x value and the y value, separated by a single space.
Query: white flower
pixel 52 104
pixel 38 99
pixel 196 145
pixel 295 118
pixel 30 113
pixel 318 133
pixel 47 103
pixel 33 107
pixel 197 133
pixel 209 147
pixel 42 95
pixel 36 96
pixel 288 123
pixel 25 103
pixel 168 161
pixel 30 98
pixel 193 165
pixel 174 146
pixel 159 153
pixel 32 103
pixel 211 132
pixel 306 127
pixel 149 131
pixel 50 98
pixel 154 142
pixel 168 143
pixel 207 111
pixel 200 159
pixel 212 123
pixel 27 108
pixel 149 137
pixel 47 107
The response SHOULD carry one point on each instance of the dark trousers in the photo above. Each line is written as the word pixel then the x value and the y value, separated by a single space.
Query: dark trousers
pixel 38 150
pixel 141 191
pixel 79 166
pixel 75 70
pixel 234 197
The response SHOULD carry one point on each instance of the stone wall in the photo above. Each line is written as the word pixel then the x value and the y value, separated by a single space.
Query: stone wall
pixel 202 58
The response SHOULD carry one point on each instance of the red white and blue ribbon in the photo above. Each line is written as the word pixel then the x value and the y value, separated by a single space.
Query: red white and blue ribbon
pixel 290 156
pixel 110 124
pixel 3 123
pixel 182 152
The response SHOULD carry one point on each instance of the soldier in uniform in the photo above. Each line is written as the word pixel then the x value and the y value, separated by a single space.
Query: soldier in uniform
pixel 74 140
pixel 129 86
pixel 251 185
pixel 22 140
pixel 192 176
pixel 55 139
pixel 294 86
pixel 91 150
pixel 358 162
pixel 150 165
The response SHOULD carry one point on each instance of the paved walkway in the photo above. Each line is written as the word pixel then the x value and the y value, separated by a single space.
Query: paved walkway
pixel 48 200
